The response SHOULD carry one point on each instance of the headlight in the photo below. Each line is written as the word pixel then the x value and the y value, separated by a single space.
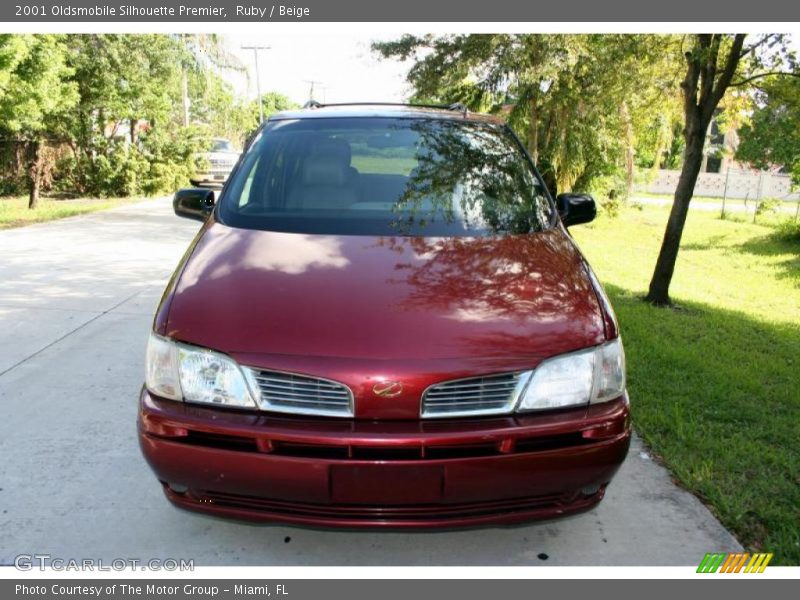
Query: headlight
pixel 181 372
pixel 578 378
pixel 161 368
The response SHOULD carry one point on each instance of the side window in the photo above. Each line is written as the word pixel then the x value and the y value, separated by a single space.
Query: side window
pixel 265 180
pixel 247 189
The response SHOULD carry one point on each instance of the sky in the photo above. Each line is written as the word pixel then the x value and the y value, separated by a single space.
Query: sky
pixel 345 67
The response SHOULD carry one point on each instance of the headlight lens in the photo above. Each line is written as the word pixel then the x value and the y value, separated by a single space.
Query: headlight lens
pixel 161 368
pixel 609 371
pixel 192 374
pixel 578 378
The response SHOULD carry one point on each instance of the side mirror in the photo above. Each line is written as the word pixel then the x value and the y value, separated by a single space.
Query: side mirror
pixel 193 203
pixel 576 208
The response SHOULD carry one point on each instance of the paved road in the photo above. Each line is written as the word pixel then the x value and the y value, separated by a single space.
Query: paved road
pixel 76 301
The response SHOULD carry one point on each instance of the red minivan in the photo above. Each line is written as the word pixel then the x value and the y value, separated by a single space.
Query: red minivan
pixel 383 322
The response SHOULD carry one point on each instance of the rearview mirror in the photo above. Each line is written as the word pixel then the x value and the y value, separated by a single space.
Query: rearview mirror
pixel 193 203
pixel 576 208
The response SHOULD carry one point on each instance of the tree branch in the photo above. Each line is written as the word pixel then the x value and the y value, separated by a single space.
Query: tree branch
pixel 762 75
pixel 709 71
pixel 730 68
pixel 752 47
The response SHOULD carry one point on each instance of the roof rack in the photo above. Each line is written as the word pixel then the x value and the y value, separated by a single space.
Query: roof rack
pixel 455 106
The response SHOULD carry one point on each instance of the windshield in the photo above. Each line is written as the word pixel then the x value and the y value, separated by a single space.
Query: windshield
pixel 221 146
pixel 386 176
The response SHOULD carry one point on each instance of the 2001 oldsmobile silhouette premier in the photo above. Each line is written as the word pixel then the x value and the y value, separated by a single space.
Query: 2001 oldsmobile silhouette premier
pixel 384 322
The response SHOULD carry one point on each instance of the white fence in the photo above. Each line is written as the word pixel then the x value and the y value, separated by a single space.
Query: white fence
pixel 731 183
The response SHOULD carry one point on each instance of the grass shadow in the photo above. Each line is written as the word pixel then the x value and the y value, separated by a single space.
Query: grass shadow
pixel 773 245
pixel 714 392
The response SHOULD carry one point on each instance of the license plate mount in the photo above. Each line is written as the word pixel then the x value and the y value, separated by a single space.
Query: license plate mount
pixel 386 485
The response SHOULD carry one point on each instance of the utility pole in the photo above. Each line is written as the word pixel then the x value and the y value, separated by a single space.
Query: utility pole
pixel 311 89
pixel 255 50
pixel 184 84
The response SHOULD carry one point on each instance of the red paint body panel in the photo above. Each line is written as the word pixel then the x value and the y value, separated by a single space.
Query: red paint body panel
pixel 359 309
pixel 558 454
pixel 385 298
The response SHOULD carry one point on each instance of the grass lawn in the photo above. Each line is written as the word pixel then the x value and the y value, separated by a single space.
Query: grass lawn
pixel 384 165
pixel 714 382
pixel 14 212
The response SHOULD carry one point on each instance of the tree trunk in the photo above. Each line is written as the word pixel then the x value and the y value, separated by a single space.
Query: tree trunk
pixel 660 143
pixel 35 174
pixel 703 88
pixel 533 132
pixel 665 266
pixel 630 151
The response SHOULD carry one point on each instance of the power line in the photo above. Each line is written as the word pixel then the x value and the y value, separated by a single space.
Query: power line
pixel 312 82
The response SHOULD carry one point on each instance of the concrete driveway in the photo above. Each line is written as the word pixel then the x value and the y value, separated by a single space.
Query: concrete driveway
pixel 76 302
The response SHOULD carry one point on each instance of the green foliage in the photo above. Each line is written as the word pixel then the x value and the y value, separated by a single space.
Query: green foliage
pixel 216 109
pixel 770 205
pixel 789 230
pixel 609 192
pixel 117 103
pixel 36 95
pixel 772 138
pixel 35 91
pixel 273 102
pixel 160 162
pixel 579 102
pixel 171 159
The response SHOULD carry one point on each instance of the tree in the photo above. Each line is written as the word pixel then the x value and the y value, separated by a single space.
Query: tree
pixel 772 137
pixel 117 102
pixel 127 131
pixel 714 63
pixel 578 102
pixel 273 102
pixel 206 57
pixel 35 94
pixel 127 85
pixel 217 108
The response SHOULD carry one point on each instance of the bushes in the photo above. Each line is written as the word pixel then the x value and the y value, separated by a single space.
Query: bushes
pixel 170 159
pixel 15 158
pixel 159 162
pixel 789 230
pixel 610 193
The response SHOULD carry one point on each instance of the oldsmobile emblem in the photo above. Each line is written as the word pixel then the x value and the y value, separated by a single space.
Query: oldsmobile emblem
pixel 387 389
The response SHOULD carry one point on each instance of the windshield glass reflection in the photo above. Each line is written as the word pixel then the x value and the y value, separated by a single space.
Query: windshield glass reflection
pixel 377 176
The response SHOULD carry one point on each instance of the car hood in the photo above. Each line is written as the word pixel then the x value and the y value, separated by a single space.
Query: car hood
pixel 496 300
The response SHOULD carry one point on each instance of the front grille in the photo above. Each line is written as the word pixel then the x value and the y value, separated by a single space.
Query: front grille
pixel 391 514
pixel 222 162
pixel 504 446
pixel 300 394
pixel 490 394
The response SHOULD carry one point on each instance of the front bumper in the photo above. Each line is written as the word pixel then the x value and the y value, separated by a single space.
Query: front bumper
pixel 216 176
pixel 417 474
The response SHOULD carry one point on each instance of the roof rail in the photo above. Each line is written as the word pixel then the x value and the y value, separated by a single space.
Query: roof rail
pixel 455 106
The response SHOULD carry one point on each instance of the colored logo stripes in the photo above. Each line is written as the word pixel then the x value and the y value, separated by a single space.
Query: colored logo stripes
pixel 734 563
